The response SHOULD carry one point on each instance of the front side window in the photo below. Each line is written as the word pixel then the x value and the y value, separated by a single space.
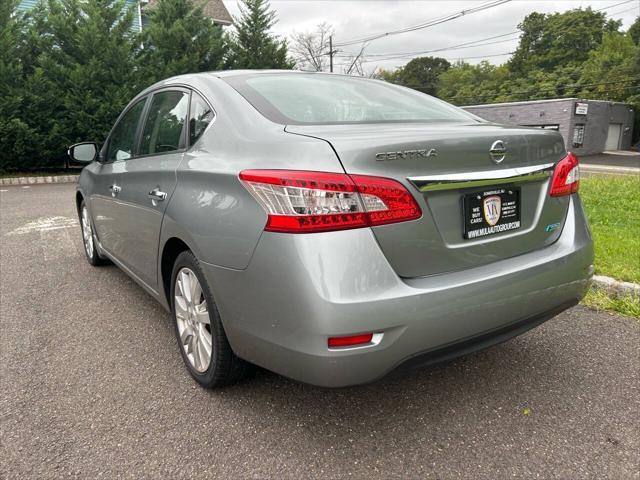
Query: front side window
pixel 200 117
pixel 163 128
pixel 122 140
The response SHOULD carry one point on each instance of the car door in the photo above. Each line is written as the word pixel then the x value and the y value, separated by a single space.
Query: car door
pixel 103 201
pixel 148 180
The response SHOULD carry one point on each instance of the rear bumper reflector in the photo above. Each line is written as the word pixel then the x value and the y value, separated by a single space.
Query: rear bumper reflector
pixel 350 341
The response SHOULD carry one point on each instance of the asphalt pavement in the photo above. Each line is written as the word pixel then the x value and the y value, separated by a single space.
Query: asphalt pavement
pixel 92 385
pixel 622 162
pixel 620 158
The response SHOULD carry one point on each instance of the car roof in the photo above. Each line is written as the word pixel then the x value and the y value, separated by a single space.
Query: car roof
pixel 236 73
pixel 191 79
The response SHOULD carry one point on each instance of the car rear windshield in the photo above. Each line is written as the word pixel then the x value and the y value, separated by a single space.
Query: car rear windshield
pixel 320 99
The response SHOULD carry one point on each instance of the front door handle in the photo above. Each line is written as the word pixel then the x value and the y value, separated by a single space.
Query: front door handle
pixel 115 190
pixel 156 195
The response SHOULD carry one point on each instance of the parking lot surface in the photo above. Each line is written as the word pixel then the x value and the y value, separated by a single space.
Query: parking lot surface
pixel 92 384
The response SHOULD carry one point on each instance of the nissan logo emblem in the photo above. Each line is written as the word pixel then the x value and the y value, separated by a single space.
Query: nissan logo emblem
pixel 498 151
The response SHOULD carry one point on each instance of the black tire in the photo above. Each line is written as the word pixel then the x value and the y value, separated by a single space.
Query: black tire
pixel 93 257
pixel 225 368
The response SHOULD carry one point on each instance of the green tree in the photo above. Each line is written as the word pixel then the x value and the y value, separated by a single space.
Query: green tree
pixel 13 131
pixel 82 76
pixel 634 31
pixel 612 72
pixel 179 39
pixel 421 73
pixel 386 75
pixel 466 84
pixel 252 45
pixel 552 40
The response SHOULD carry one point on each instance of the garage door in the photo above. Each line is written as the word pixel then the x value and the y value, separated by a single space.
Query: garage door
pixel 613 137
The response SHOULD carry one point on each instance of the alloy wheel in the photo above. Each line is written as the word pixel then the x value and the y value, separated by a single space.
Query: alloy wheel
pixel 192 318
pixel 87 232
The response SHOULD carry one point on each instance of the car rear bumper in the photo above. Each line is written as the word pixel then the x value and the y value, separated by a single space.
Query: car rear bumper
pixel 298 290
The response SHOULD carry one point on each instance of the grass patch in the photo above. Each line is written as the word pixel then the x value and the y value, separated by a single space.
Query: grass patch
pixel 612 204
pixel 599 300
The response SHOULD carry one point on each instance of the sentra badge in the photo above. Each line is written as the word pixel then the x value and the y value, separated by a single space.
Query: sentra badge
pixel 406 154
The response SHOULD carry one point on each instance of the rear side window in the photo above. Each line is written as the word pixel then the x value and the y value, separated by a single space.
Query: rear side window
pixel 163 128
pixel 312 98
pixel 200 117
pixel 121 142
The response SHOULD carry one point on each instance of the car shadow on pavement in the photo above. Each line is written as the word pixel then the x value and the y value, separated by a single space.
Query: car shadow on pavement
pixel 502 380
pixel 493 388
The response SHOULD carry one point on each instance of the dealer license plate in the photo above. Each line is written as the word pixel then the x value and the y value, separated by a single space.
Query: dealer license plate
pixel 491 211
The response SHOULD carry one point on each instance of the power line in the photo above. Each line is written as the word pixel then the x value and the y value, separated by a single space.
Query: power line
pixel 343 64
pixel 624 11
pixel 475 43
pixel 469 44
pixel 427 24
pixel 614 5
pixel 414 54
pixel 450 59
pixel 447 18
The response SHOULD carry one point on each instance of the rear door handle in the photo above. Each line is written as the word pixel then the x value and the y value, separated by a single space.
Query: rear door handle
pixel 156 195
pixel 115 190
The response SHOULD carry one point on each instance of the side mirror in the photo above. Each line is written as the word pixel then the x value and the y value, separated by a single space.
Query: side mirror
pixel 85 152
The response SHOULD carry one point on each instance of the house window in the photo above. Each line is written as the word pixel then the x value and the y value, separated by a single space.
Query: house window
pixel 578 135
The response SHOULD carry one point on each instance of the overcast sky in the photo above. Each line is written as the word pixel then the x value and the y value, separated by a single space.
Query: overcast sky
pixel 359 18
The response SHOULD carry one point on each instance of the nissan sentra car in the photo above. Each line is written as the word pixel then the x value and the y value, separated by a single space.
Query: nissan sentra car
pixel 330 228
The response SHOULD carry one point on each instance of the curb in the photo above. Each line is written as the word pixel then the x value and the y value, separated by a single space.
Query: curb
pixel 610 169
pixel 614 287
pixel 39 180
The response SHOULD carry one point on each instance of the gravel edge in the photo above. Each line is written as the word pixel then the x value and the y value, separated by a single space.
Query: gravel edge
pixel 39 180
pixel 615 287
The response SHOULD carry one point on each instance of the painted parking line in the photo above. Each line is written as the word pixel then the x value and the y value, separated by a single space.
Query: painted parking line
pixel 44 224
pixel 57 244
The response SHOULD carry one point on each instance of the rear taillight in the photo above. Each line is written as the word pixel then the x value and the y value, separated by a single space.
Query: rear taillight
pixel 302 201
pixel 566 176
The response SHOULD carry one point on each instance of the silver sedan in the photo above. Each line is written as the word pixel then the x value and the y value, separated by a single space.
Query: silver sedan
pixel 331 228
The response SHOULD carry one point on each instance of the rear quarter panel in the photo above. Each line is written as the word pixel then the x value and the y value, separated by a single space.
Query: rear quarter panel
pixel 210 210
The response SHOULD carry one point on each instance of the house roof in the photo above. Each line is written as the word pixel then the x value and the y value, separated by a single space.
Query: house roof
pixel 213 9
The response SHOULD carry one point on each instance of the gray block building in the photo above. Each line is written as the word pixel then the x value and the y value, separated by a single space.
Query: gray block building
pixel 588 126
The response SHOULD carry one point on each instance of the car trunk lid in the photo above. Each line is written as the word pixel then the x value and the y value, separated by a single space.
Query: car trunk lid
pixel 443 165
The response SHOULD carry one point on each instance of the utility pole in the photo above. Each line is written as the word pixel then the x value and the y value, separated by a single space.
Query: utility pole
pixel 331 53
